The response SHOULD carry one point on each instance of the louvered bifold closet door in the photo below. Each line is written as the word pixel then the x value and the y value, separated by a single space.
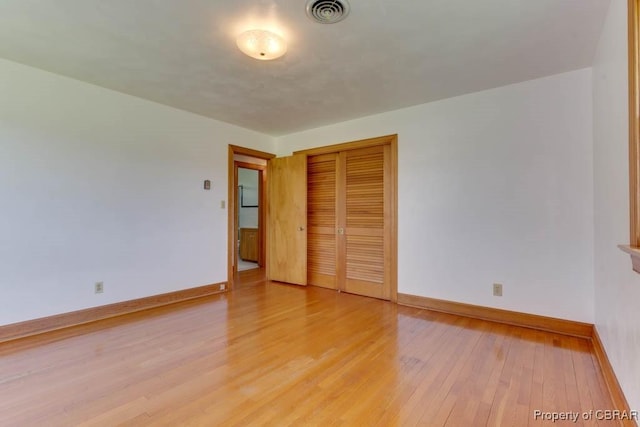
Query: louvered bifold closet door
pixel 321 220
pixel 365 239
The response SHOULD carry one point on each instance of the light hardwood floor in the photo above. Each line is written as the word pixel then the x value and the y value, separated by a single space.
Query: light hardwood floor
pixel 273 354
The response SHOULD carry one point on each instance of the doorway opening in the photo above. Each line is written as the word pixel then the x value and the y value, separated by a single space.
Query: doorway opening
pixel 246 215
pixel 249 216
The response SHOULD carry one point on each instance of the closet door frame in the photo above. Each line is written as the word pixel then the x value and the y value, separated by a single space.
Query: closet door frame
pixel 391 216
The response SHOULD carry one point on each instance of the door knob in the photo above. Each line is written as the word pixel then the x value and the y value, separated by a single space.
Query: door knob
pixel 300 228
pixel 340 230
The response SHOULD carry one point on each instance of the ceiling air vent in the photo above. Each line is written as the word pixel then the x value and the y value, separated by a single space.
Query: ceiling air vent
pixel 327 11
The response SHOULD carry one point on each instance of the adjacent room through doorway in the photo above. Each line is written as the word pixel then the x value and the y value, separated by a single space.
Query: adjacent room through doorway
pixel 248 206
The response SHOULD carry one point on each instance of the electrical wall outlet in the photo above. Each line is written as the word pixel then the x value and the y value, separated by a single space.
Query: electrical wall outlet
pixel 497 290
pixel 223 287
pixel 99 287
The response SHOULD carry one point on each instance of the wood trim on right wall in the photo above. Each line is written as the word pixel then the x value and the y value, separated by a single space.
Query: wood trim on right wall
pixel 610 378
pixel 634 123
pixel 633 33
pixel 534 321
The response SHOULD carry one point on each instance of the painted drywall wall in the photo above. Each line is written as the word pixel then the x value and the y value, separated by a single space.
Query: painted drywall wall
pixel 617 287
pixel 248 216
pixel 494 187
pixel 100 186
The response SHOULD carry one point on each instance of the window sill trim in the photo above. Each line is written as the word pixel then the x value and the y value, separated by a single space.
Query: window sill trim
pixel 634 252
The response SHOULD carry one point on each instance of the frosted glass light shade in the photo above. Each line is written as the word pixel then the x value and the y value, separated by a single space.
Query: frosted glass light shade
pixel 261 44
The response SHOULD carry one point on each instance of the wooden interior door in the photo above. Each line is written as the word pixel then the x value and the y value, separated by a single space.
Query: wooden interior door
pixel 287 219
pixel 321 220
pixel 349 203
pixel 363 229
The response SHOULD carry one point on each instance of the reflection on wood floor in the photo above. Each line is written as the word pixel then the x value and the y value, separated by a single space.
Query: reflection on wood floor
pixel 248 278
pixel 273 354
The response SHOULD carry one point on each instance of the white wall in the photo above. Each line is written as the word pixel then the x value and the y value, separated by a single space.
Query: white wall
pixel 495 186
pixel 617 287
pixel 100 186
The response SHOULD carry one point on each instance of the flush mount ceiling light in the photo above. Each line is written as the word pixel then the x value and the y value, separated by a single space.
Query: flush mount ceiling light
pixel 261 44
pixel 327 11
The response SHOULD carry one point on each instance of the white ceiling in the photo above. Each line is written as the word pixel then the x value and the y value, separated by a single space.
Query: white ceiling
pixel 387 54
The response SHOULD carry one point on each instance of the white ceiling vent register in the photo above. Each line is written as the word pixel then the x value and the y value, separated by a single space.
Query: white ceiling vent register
pixel 327 11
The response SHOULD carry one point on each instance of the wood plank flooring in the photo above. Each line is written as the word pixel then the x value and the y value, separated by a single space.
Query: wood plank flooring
pixel 273 354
